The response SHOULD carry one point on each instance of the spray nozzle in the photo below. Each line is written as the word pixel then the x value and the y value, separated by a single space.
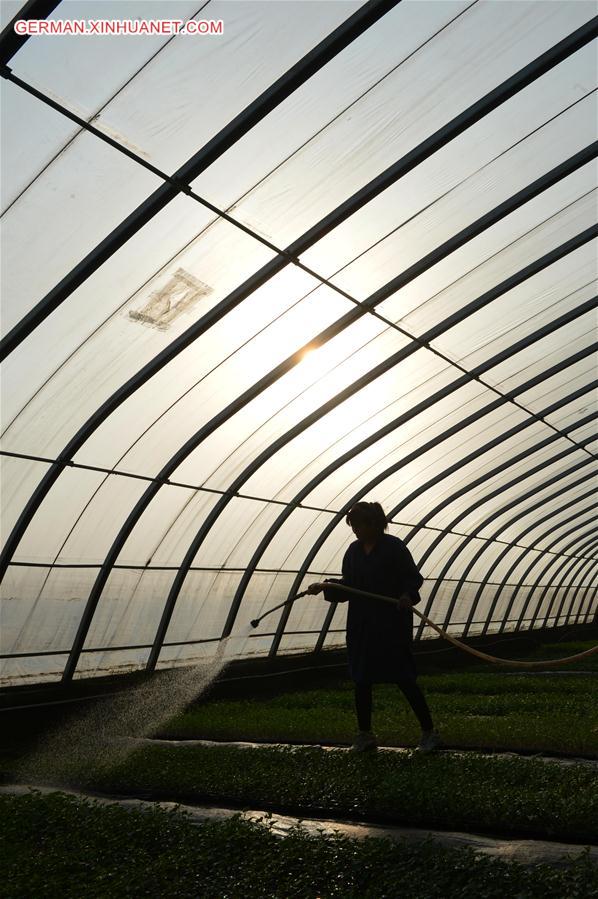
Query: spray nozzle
pixel 256 621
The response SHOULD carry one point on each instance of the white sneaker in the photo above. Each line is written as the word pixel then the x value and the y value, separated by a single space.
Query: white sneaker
pixel 364 741
pixel 430 740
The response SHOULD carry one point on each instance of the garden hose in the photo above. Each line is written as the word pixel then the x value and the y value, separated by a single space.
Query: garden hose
pixel 513 663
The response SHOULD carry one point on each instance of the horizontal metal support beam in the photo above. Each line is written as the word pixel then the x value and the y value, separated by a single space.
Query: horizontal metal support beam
pixel 135 646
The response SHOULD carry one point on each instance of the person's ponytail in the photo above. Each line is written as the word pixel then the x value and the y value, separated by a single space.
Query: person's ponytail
pixel 378 517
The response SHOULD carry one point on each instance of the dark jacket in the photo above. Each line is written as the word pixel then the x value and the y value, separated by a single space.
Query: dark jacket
pixel 379 634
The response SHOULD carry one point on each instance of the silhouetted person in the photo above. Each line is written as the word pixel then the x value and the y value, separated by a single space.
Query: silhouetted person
pixel 380 634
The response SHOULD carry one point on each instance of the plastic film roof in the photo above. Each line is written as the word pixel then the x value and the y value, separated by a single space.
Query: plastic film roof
pixel 339 251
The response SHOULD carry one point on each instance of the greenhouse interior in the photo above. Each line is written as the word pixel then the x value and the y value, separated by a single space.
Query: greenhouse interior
pixel 299 564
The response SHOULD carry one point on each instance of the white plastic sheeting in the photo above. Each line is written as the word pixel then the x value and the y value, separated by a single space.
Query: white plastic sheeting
pixel 465 407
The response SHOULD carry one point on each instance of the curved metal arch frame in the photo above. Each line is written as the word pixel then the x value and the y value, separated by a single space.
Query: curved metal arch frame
pixel 84 125
pixel 330 613
pixel 214 514
pixel 332 608
pixel 480 480
pixel 508 524
pixel 462 491
pixel 457 494
pixel 306 269
pixel 570 571
pixel 575 570
pixel 518 561
pixel 267 538
pixel 324 281
pixel 570 566
pixel 516 429
pixel 520 479
pixel 472 508
pixel 587 590
pixel 589 593
pixel 258 109
pixel 555 559
pixel 513 520
pixel 466 488
pixel 405 164
pixel 523 513
pixel 523 578
pixel 381 477
pixel 595 616
pixel 583 543
pixel 502 99
pixel 225 216
pixel 242 124
pixel 574 313
pixel 573 589
pixel 240 402
pixel 580 540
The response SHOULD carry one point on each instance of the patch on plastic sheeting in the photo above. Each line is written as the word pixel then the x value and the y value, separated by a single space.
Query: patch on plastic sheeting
pixel 180 293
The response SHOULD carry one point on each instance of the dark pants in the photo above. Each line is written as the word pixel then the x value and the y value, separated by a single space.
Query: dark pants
pixel 411 692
